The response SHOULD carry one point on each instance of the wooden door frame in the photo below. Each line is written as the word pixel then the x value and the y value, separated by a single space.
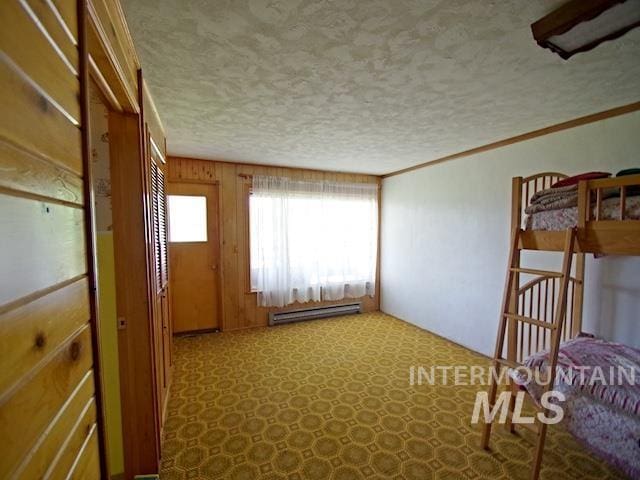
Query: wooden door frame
pixel 90 236
pixel 219 273
pixel 114 66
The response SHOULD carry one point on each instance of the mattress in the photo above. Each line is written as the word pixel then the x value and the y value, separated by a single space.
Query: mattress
pixel 563 218
pixel 604 415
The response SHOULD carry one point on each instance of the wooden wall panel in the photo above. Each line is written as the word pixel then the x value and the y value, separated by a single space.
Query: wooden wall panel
pixel 68 10
pixel 47 68
pixel 47 327
pixel 78 454
pixel 78 415
pixel 240 309
pixel 30 406
pixel 28 334
pixel 28 173
pixel 86 463
pixel 55 231
pixel 56 27
pixel 23 108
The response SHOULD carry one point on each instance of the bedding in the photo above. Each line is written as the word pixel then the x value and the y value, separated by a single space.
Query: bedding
pixel 602 414
pixel 561 218
pixel 573 180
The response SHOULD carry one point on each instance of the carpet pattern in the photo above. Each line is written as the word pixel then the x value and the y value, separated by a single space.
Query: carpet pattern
pixel 331 399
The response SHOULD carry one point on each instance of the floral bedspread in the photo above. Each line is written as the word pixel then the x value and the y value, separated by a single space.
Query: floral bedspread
pixel 563 218
pixel 601 383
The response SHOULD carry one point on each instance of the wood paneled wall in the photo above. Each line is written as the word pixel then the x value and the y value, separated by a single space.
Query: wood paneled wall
pixel 239 306
pixel 49 393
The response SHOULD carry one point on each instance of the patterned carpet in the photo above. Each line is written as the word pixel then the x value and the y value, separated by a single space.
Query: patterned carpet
pixel 331 399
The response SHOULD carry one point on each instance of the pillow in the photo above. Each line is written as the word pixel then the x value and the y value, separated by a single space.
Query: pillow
pixel 565 182
pixel 633 190
pixel 628 171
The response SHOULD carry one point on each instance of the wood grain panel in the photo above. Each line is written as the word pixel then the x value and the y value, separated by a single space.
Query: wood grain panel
pixel 40 61
pixel 47 382
pixel 29 173
pixel 45 245
pixel 28 334
pixel 229 232
pixel 87 465
pixel 68 11
pixel 40 397
pixel 240 309
pixel 24 109
pixel 78 415
pixel 71 459
pixel 56 27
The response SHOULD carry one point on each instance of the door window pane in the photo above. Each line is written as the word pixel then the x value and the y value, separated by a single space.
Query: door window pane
pixel 187 218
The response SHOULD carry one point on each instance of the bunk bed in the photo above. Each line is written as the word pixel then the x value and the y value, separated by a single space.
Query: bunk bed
pixel 541 318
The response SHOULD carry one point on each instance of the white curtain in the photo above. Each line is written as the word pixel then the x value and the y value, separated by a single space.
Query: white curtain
pixel 312 241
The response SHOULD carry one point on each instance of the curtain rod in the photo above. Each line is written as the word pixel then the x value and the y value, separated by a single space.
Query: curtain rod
pixel 248 176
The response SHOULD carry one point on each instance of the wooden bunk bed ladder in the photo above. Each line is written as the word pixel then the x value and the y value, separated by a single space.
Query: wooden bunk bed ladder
pixel 513 321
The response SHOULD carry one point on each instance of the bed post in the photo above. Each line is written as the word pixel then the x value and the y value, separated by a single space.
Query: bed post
pixel 583 211
pixel 512 336
pixel 516 223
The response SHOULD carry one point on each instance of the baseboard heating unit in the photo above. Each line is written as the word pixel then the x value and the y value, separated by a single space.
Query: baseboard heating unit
pixel 280 318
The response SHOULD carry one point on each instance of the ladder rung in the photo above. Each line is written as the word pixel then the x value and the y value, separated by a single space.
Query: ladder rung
pixel 533 271
pixel 531 321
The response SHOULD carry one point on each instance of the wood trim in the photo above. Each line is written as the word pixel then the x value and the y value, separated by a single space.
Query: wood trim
pixel 107 61
pixel 264 165
pixel 90 239
pixel 103 86
pixel 378 290
pixel 577 122
pixel 194 180
pixel 246 198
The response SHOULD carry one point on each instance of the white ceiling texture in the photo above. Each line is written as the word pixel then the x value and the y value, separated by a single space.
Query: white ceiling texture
pixel 363 85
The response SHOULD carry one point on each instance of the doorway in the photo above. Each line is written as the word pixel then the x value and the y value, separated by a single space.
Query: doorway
pixel 194 256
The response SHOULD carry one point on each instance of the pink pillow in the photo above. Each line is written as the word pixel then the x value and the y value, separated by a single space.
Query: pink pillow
pixel 565 182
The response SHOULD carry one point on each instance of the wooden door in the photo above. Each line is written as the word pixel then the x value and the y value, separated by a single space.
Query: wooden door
pixel 194 260
pixel 50 402
pixel 159 262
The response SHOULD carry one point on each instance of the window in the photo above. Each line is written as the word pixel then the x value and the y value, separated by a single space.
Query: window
pixel 312 241
pixel 187 218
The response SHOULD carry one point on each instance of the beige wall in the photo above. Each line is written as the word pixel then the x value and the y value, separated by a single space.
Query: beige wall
pixel 240 309
pixel 445 232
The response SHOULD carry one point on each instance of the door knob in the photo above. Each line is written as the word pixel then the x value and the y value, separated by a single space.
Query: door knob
pixel 214 267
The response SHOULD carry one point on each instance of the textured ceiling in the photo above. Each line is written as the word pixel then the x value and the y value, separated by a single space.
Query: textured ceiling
pixel 363 86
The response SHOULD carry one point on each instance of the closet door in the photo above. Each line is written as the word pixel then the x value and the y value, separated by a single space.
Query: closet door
pixel 50 407
pixel 161 321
